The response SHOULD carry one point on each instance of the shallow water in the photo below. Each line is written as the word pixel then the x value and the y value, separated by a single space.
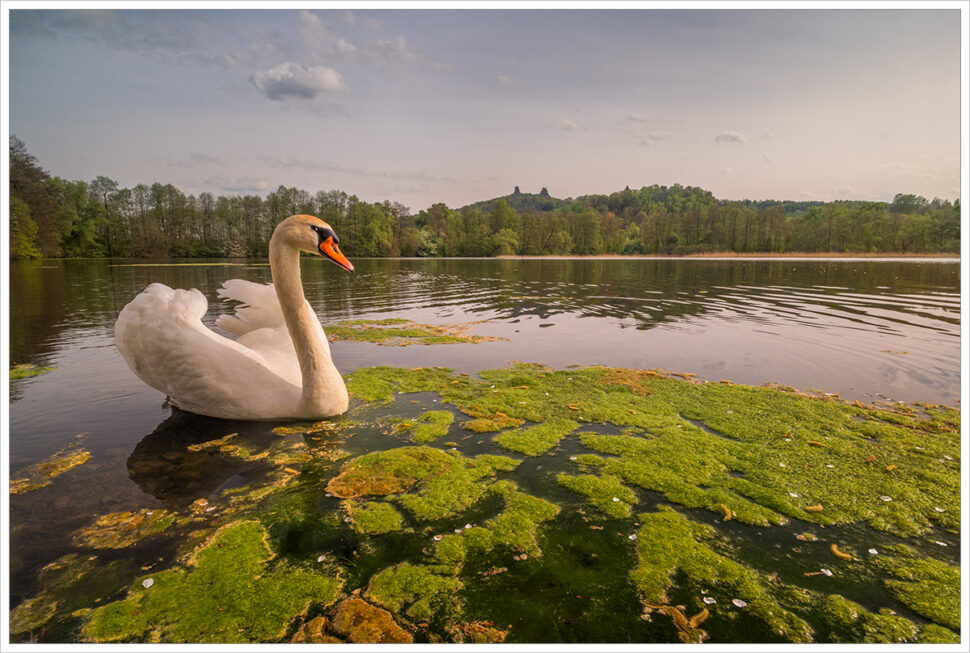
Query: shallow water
pixel 868 330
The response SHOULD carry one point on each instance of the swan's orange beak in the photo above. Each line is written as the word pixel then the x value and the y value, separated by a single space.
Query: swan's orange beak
pixel 332 251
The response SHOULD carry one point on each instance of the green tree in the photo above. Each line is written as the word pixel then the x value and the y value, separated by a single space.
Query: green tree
pixel 23 231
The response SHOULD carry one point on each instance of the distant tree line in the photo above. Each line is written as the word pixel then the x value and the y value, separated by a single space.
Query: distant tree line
pixel 52 217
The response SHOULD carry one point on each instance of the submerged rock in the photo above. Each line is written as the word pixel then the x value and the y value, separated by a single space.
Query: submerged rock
pixel 362 623
pixel 32 614
pixel 118 530
pixel 40 475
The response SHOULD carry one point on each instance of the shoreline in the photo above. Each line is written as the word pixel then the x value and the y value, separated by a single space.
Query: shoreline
pixel 944 257
pixel 742 255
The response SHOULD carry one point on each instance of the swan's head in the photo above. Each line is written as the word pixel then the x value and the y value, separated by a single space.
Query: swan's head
pixel 311 234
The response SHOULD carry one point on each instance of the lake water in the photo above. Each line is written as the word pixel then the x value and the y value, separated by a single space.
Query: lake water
pixel 885 330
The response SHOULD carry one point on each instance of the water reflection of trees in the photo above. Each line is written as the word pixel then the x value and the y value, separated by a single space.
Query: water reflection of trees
pixel 51 297
pixel 645 291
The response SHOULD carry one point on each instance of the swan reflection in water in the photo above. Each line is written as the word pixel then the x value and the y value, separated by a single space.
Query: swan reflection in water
pixel 171 465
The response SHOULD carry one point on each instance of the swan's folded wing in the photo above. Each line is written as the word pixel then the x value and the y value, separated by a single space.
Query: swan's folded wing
pixel 258 309
pixel 161 336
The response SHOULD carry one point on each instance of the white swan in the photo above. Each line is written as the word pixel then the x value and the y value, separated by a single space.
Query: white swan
pixel 279 367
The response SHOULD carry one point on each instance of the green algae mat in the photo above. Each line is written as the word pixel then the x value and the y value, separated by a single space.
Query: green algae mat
pixel 536 505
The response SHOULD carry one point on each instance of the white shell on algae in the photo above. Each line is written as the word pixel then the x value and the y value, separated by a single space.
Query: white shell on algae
pixel 148 582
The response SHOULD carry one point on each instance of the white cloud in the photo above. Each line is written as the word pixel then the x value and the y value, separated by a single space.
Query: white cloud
pixel 290 80
pixel 730 137
pixel 566 125
pixel 312 29
pixel 637 117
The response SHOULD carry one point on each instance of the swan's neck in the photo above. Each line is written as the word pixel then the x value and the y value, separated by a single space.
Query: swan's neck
pixel 324 392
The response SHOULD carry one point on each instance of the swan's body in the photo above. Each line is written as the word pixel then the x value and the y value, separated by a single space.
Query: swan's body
pixel 279 366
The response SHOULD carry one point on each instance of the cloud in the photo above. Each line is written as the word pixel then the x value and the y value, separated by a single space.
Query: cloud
pixel 197 159
pixel 730 137
pixel 637 117
pixel 649 139
pixel 566 125
pixel 290 80
pixel 312 29
pixel 238 184
pixel 304 163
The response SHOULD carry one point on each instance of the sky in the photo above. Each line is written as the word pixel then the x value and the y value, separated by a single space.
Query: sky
pixel 458 105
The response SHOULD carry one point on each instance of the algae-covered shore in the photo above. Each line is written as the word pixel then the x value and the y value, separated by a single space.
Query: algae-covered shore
pixel 528 504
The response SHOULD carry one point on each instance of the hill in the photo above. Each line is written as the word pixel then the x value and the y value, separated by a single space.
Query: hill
pixel 522 202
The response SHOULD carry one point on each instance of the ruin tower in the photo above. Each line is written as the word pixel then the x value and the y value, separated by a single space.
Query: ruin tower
pixel 544 192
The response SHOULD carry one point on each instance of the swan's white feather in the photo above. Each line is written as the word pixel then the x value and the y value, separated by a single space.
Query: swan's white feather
pixel 259 307
pixel 161 336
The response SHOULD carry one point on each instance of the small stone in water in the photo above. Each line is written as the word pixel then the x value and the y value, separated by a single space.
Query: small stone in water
pixel 739 603
pixel 831 466
pixel 457 531
pixel 709 600
pixel 940 543
pixel 437 538
pixel 148 582
pixel 572 457
pixel 793 495
pixel 322 557
pixel 938 509
pixel 467 526
pixel 947 457
pixel 874 552
pixel 885 498
pixel 633 537
pixel 616 499
pixel 826 572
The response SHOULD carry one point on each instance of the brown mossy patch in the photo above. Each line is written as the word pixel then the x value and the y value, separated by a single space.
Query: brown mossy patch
pixel 362 623
pixel 40 475
pixel 388 472
pixel 212 444
pixel 119 530
pixel 315 631
pixel 476 632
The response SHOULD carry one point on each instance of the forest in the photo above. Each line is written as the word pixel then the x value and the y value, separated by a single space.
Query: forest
pixel 52 217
